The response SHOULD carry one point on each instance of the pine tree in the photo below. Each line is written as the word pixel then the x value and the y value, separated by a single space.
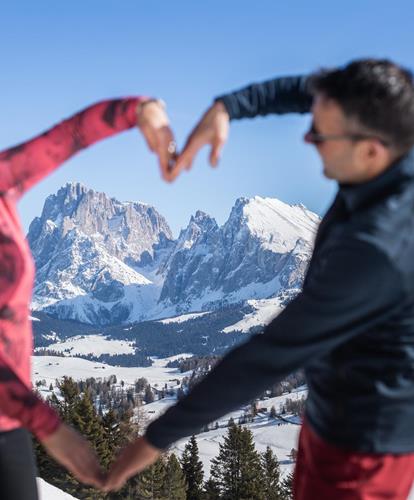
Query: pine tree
pixel 77 410
pixel 140 384
pixel 287 487
pixel 106 434
pixel 149 395
pixel 110 424
pixel 174 482
pixel 87 421
pixel 237 468
pixel 48 468
pixel 66 404
pixel 150 483
pixel 253 409
pixel 271 475
pixel 293 454
pixel 211 490
pixel 193 470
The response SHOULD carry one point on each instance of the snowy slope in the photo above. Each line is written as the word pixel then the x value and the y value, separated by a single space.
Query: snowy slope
pixel 182 318
pixel 50 368
pixel 265 311
pixel 91 344
pixel 279 225
pixel 49 492
pixel 281 438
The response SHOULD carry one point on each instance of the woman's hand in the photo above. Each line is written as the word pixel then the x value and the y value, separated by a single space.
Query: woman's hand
pixel 154 124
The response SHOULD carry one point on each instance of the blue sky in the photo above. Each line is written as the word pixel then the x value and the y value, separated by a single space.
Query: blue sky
pixel 58 57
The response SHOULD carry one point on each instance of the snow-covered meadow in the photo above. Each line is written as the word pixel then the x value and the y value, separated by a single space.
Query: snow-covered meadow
pixel 50 368
pixel 91 344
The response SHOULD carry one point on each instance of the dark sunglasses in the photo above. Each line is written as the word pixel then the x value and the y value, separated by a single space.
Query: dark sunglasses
pixel 312 136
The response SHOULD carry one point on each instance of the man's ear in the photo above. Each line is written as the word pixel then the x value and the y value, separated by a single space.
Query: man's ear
pixel 377 156
pixel 368 159
pixel 372 150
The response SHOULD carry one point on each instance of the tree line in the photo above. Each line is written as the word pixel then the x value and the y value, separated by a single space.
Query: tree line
pixel 238 472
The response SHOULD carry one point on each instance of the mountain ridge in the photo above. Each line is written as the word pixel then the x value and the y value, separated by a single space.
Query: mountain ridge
pixel 102 261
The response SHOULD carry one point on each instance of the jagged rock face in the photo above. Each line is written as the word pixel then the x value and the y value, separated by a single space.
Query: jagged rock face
pixel 263 247
pixel 88 249
pixel 128 230
pixel 102 262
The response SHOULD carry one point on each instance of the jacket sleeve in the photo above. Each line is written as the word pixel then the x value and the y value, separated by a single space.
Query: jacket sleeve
pixel 19 402
pixel 276 96
pixel 353 288
pixel 25 164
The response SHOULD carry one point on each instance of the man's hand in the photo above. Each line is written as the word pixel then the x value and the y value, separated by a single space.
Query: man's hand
pixel 133 458
pixel 74 452
pixel 212 129
pixel 153 122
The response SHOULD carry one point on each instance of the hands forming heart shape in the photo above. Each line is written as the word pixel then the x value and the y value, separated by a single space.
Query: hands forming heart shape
pixel 66 445
pixel 212 130
pixel 74 452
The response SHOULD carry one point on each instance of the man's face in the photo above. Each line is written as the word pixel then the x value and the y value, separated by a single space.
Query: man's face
pixel 344 159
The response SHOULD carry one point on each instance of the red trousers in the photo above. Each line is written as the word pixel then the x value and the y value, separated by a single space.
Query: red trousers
pixel 324 472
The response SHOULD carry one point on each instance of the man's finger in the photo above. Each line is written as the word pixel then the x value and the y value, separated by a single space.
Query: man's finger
pixel 216 148
pixel 186 158
pixel 132 460
pixel 184 162
pixel 118 476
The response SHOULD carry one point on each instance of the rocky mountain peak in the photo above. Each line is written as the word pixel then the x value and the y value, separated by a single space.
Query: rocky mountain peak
pixel 127 230
pixel 103 261
pixel 275 223
pixel 200 225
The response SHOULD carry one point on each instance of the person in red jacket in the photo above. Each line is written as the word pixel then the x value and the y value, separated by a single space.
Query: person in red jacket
pixel 21 167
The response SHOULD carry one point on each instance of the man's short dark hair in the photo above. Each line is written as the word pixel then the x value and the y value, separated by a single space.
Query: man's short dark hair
pixel 378 93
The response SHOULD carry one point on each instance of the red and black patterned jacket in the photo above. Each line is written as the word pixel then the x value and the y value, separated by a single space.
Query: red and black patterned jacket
pixel 20 168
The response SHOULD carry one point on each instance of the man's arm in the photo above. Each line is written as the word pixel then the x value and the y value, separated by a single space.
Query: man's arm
pixel 354 289
pixel 277 96
pixel 25 164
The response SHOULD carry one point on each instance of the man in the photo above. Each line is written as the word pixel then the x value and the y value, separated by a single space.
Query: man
pixel 352 326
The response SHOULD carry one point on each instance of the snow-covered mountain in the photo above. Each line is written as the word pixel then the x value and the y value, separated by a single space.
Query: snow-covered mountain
pixel 101 261
pixel 89 250
pixel 262 249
